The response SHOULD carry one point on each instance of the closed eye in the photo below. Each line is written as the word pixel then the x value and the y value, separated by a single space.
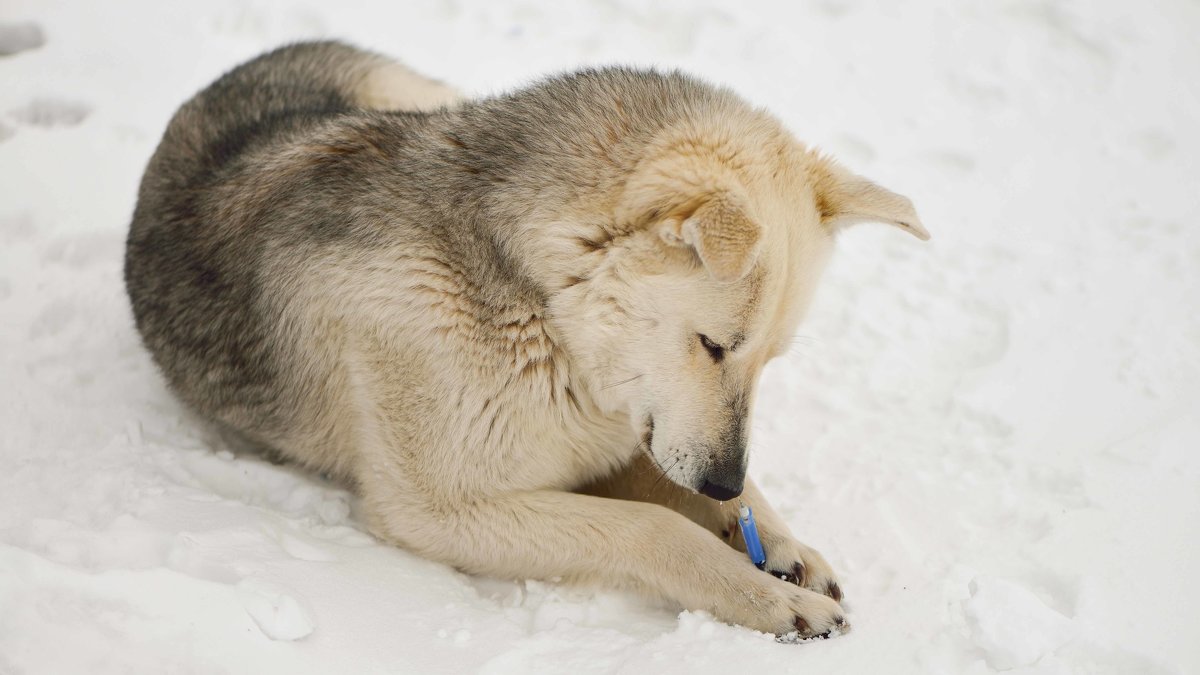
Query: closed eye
pixel 716 351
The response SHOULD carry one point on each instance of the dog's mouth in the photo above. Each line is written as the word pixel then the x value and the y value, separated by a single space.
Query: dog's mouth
pixel 647 441
pixel 648 435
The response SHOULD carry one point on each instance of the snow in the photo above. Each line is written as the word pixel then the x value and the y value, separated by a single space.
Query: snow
pixel 991 436
pixel 1011 625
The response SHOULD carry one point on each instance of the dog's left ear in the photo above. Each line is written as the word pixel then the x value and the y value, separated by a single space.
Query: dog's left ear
pixel 845 199
pixel 721 234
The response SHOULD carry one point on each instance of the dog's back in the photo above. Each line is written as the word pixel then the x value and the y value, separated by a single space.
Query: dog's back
pixel 195 255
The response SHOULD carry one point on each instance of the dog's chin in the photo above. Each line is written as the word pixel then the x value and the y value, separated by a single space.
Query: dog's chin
pixel 671 470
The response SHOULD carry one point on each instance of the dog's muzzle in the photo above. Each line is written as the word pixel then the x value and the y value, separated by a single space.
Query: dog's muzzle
pixel 726 477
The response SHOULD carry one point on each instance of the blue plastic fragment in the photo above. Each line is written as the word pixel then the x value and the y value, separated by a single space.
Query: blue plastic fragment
pixel 750 535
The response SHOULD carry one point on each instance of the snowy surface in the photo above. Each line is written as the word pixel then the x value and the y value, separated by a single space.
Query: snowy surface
pixel 994 437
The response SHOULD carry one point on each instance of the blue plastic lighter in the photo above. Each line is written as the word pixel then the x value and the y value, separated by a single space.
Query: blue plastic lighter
pixel 750 535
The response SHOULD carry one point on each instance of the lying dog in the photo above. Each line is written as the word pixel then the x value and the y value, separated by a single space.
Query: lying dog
pixel 526 328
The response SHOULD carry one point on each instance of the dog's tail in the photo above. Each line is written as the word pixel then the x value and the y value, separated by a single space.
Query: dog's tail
pixel 285 89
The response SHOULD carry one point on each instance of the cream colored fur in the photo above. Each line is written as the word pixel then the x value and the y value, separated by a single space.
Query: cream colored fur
pixel 742 220
pixel 395 86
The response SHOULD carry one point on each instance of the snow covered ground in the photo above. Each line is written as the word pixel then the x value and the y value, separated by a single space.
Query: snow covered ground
pixel 988 435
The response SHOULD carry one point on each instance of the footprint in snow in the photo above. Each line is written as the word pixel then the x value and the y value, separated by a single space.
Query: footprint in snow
pixel 54 317
pixel 51 112
pixel 19 37
pixel 16 227
pixel 277 612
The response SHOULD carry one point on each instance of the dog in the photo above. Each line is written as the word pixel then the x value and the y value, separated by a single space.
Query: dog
pixel 526 329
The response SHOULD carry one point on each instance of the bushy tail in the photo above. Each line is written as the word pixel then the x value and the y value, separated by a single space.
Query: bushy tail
pixel 272 93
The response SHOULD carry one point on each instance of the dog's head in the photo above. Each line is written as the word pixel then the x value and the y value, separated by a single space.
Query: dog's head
pixel 728 231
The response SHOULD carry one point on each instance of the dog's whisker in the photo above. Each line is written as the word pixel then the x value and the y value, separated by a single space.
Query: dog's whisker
pixel 626 381
pixel 658 480
pixel 673 459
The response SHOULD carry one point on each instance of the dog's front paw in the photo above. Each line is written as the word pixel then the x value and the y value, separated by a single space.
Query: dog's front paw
pixel 796 563
pixel 790 612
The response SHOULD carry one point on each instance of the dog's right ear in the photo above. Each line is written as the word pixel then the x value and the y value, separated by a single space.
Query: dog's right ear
pixel 719 232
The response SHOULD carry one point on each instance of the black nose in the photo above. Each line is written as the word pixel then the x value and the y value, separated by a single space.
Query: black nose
pixel 721 493
pixel 726 473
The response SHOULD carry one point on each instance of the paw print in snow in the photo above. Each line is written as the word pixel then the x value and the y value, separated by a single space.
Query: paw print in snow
pixel 51 112
pixel 19 37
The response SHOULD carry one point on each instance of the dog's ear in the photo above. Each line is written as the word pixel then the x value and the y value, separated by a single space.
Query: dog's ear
pixel 845 199
pixel 720 233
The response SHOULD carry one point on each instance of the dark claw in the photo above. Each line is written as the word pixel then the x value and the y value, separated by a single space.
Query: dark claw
pixel 834 591
pixel 795 576
pixel 839 624
pixel 800 573
pixel 804 631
